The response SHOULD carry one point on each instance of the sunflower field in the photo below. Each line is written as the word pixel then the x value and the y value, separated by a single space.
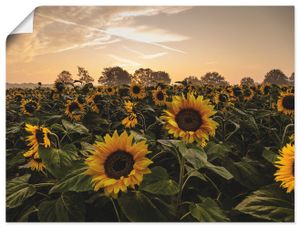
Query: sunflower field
pixel 166 153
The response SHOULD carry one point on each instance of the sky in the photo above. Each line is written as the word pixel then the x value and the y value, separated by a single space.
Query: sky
pixel 183 41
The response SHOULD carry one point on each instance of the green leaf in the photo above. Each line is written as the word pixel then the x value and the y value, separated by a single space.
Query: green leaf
pixel 208 211
pixel 69 207
pixel 75 127
pixel 246 172
pixel 75 181
pixel 270 155
pixel 215 150
pixel 138 208
pixel 269 203
pixel 25 214
pixel 198 159
pixel 57 161
pixel 18 190
pixel 158 182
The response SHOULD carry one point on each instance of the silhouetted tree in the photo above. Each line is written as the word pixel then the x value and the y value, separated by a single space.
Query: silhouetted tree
pixel 247 81
pixel 84 76
pixel 148 77
pixel 112 76
pixel 213 78
pixel 64 77
pixel 192 80
pixel 292 78
pixel 277 77
pixel 161 76
pixel 143 76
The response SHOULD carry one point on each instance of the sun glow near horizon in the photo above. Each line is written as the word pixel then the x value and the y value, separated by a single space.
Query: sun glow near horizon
pixel 183 41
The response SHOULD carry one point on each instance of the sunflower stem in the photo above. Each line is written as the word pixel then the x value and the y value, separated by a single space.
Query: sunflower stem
pixel 116 210
pixel 215 186
pixel 181 182
pixel 57 140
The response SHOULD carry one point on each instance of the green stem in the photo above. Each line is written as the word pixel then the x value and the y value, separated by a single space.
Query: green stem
pixel 181 175
pixel 116 210
pixel 43 185
pixel 285 131
pixel 188 213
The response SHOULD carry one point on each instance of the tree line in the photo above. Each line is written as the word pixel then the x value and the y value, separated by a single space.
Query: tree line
pixel 114 76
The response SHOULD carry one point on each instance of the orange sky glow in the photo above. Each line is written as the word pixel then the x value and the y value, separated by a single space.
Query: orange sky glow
pixel 183 41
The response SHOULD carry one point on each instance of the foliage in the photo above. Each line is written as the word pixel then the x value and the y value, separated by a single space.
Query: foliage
pixel 230 179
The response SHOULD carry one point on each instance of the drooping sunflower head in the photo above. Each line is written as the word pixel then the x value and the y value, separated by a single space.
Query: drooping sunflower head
pixel 39 136
pixel 286 168
pixel 35 164
pixel 129 106
pixel 130 121
pixel 189 118
pixel 96 101
pixel 28 107
pixel 159 96
pixel 118 163
pixel 286 103
pixel 74 110
pixel 137 91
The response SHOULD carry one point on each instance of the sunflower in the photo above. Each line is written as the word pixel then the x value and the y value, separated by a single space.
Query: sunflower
pixel 159 96
pixel 59 86
pixel 189 118
pixel 110 90
pixel 285 164
pixel 221 97
pixel 137 91
pixel 18 97
pixel 129 106
pixel 74 110
pixel 95 100
pixel 248 94
pixel 265 89
pixel 130 121
pixel 286 103
pixel 118 163
pixel 39 136
pixel 35 164
pixel 28 107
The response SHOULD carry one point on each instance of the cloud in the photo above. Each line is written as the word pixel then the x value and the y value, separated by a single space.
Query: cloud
pixel 63 28
pixel 146 56
pixel 124 62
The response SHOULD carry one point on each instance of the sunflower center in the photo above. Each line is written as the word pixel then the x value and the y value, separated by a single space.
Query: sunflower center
pixel 136 89
pixel 247 93
pixel 109 90
pixel 267 89
pixel 160 96
pixel 223 97
pixel 288 102
pixel 81 99
pixel 118 164
pixel 73 107
pixel 30 107
pixel 237 91
pixel 188 120
pixel 39 134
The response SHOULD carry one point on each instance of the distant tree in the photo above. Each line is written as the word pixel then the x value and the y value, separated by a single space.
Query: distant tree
pixel 143 76
pixel 247 81
pixel 191 80
pixel 148 77
pixel 277 77
pixel 213 78
pixel 64 77
pixel 292 78
pixel 84 76
pixel 161 76
pixel 112 76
